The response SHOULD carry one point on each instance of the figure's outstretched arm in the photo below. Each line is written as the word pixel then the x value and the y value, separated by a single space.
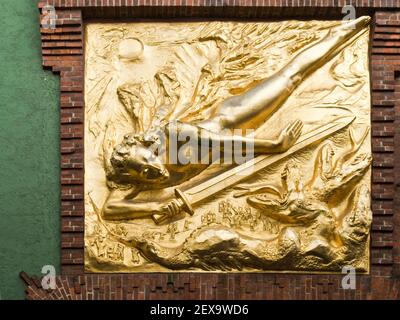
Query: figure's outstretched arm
pixel 124 209
pixel 129 209
pixel 283 142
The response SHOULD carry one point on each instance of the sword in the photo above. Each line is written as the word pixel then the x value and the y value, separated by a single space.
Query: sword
pixel 193 196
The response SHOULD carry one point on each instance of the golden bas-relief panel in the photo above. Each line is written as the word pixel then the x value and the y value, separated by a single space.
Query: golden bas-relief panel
pixel 227 146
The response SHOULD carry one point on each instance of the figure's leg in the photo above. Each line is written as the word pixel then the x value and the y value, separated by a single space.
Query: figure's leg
pixel 256 105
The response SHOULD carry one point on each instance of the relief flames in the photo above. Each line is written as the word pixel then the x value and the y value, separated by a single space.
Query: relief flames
pixel 297 92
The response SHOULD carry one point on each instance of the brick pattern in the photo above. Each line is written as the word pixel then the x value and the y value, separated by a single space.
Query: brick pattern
pixel 63 53
pixel 219 3
pixel 385 66
pixel 62 50
pixel 248 9
pixel 210 287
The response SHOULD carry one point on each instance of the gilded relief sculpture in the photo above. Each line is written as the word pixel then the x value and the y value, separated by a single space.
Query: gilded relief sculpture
pixel 227 146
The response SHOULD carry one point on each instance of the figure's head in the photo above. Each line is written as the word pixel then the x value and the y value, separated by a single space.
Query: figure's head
pixel 132 162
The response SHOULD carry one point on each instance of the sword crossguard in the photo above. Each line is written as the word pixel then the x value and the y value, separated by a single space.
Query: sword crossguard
pixel 185 204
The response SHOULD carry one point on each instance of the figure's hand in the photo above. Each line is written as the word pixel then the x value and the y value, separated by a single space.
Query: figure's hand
pixel 167 211
pixel 289 135
pixel 171 208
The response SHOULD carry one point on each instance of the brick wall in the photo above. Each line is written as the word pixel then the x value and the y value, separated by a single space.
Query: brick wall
pixel 63 53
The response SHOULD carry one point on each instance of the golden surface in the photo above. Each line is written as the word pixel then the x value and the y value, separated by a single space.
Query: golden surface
pixel 302 86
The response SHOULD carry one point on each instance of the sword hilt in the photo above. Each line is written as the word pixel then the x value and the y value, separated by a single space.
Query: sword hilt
pixel 183 203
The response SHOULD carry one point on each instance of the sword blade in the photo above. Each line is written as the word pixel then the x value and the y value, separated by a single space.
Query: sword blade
pixel 204 190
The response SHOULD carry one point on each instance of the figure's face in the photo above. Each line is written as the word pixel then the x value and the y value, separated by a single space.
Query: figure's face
pixel 146 165
pixel 140 163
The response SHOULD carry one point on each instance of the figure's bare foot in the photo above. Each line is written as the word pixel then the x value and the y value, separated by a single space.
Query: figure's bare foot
pixel 289 135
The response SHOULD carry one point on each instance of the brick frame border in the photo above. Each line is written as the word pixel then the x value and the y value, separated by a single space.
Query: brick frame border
pixel 63 53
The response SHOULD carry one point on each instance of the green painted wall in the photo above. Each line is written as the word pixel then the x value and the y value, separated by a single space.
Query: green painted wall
pixel 29 150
